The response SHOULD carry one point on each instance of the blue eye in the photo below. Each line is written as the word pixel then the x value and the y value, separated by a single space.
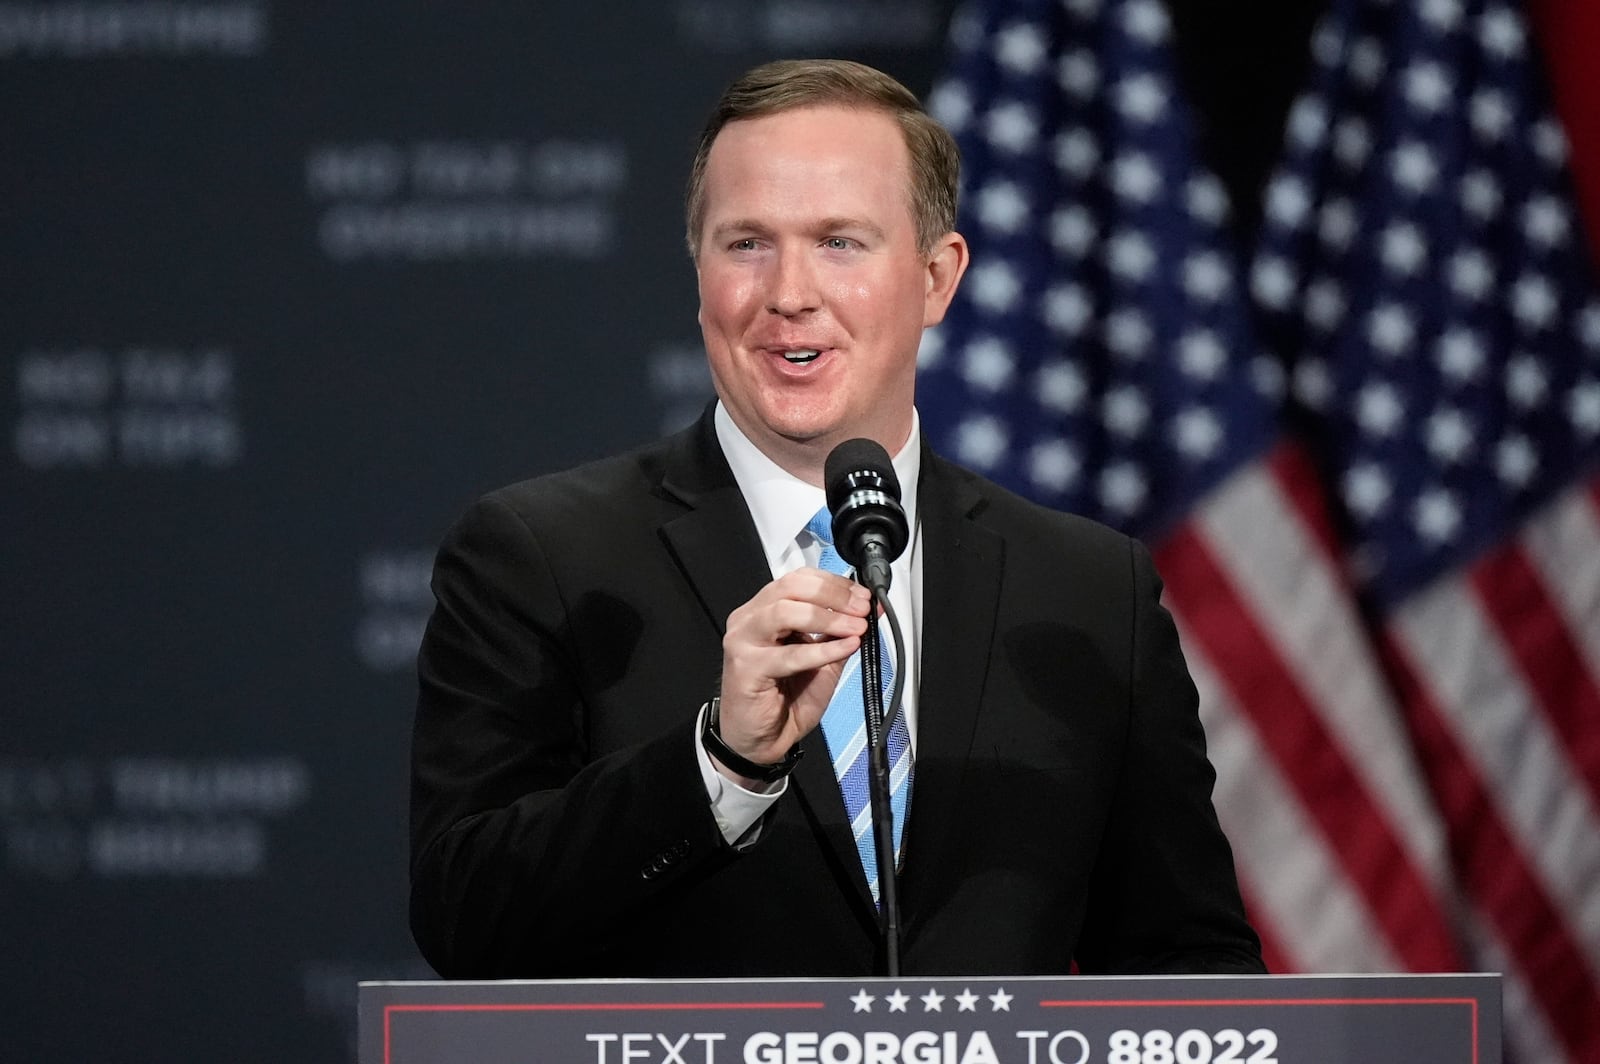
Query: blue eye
pixel 838 243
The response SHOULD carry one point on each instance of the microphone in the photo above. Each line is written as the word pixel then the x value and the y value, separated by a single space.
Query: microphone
pixel 869 524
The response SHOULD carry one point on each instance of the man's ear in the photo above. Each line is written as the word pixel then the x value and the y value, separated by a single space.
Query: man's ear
pixel 945 266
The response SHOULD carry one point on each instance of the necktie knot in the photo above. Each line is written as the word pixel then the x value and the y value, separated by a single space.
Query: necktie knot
pixel 821 527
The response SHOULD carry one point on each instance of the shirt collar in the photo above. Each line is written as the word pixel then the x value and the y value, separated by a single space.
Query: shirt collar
pixel 781 503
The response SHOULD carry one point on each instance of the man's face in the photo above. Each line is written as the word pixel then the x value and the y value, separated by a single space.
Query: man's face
pixel 813 295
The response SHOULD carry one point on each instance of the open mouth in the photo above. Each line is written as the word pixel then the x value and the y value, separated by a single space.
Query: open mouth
pixel 800 358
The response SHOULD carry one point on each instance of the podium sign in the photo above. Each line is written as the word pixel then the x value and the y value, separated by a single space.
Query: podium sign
pixel 1388 1019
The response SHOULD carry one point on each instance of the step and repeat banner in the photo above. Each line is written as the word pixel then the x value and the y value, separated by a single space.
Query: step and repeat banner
pixel 282 288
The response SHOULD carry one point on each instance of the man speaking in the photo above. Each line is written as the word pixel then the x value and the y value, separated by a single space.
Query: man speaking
pixel 629 750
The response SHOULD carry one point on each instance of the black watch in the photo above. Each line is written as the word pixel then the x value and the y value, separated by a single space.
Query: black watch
pixel 711 739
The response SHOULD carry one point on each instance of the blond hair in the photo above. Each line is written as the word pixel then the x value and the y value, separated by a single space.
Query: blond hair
pixel 793 83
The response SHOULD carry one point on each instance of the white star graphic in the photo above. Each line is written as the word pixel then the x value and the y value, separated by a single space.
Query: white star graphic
pixel 1327 45
pixel 930 352
pixel 1020 47
pixel 897 1001
pixel 1413 168
pixel 1526 382
pixel 1549 142
pixel 933 1001
pixel 1461 354
pixel 1206 276
pixel 1078 73
pixel 1471 275
pixel 1403 249
pixel 1145 20
pixel 1583 407
pixel 966 1001
pixel 1367 62
pixel 951 105
pixel 1066 308
pixel 1352 142
pixel 1002 207
pixel 1201 355
pixel 1337 226
pixel 1076 152
pixel 1083 8
pixel 1072 230
pixel 1515 461
pixel 1135 178
pixel 1206 200
pixel 1131 256
pixel 863 1000
pixel 1001 1001
pixel 1589 326
pixel 1288 203
pixel 1126 412
pixel 1533 301
pixel 1391 329
pixel 1197 433
pixel 1011 127
pixel 1501 33
pixel 1122 489
pixel 1379 410
pixel 1128 334
pixel 1545 222
pixel 1273 281
pixel 1325 304
pixel 1060 386
pixel 988 364
pixel 1480 195
pixel 1449 435
pixel 1266 375
pixel 966 30
pixel 995 286
pixel 1141 98
pixel 1442 15
pixel 1308 122
pixel 981 441
pixel 1427 87
pixel 1366 490
pixel 1053 465
pixel 1312 384
pixel 1436 515
pixel 1491 114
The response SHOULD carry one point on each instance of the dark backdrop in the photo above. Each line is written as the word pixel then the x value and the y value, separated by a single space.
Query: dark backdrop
pixel 283 288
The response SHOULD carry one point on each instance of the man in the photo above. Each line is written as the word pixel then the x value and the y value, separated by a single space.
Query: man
pixel 627 658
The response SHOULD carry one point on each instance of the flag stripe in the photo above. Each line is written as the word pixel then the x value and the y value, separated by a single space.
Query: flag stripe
pixel 1485 703
pixel 1529 624
pixel 1292 730
pixel 1292 877
pixel 1564 543
pixel 1262 538
pixel 1490 860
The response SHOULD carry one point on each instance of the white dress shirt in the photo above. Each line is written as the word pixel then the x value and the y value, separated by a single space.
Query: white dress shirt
pixel 781 505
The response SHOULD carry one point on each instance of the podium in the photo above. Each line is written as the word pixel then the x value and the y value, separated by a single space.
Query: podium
pixel 1323 1019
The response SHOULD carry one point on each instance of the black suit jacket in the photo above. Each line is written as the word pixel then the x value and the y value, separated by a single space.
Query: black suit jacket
pixel 1061 811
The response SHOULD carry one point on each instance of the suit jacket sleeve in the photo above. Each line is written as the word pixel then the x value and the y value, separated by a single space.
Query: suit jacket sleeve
pixel 533 855
pixel 1163 896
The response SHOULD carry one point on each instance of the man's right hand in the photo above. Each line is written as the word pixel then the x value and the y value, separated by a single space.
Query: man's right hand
pixel 781 659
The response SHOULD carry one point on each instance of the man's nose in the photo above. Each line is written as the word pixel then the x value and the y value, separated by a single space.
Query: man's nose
pixel 792 287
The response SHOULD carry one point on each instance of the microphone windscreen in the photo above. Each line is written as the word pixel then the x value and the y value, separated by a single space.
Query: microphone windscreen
pixel 855 464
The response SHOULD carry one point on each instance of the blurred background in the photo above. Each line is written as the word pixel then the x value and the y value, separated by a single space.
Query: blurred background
pixel 1301 293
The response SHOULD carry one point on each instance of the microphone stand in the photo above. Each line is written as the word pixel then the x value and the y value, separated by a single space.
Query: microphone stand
pixel 878 769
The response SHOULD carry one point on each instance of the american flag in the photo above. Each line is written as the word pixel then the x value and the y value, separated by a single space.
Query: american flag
pixel 1367 470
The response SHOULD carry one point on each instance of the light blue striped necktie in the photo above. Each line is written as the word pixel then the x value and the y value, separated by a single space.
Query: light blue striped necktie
pixel 845 728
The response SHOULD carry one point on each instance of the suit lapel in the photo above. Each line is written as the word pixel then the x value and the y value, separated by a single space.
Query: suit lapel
pixel 714 539
pixel 719 552
pixel 961 570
